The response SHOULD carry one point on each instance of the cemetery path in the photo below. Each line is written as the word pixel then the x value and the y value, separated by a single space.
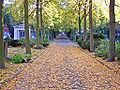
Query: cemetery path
pixel 64 66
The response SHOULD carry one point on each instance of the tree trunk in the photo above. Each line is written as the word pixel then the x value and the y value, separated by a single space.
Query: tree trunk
pixel 84 38
pixel 48 36
pixel 112 31
pixel 91 27
pixel 79 20
pixel 41 27
pixel 2 65
pixel 37 24
pixel 5 50
pixel 26 23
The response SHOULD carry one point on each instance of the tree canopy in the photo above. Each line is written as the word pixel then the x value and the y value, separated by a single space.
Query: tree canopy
pixel 63 14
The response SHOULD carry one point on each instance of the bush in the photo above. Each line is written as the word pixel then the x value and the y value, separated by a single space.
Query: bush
pixel 80 41
pixel 99 36
pixel 22 41
pixel 20 58
pixel 32 42
pixel 45 42
pixel 117 50
pixel 14 43
pixel 97 39
pixel 102 49
pixel 87 44
pixel 17 58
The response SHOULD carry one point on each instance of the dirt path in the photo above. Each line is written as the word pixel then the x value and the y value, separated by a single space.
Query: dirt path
pixel 63 66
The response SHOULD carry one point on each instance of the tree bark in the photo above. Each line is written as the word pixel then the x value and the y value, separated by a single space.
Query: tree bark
pixel 37 24
pixel 79 19
pixel 112 31
pixel 91 27
pixel 5 50
pixel 84 37
pixel 48 35
pixel 2 65
pixel 26 23
pixel 41 27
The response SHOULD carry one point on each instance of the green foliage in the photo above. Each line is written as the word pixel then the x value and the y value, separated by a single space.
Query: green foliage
pixel 45 42
pixel 87 44
pixel 17 58
pixel 60 17
pixel 22 41
pixel 20 58
pixel 117 50
pixel 80 41
pixel 97 39
pixel 102 49
pixel 32 42
pixel 99 36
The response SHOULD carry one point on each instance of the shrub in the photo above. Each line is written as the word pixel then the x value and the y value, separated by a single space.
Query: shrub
pixel 17 58
pixel 102 49
pixel 32 41
pixel 80 41
pixel 14 43
pixel 22 41
pixel 45 42
pixel 117 50
pixel 99 36
pixel 87 44
pixel 97 39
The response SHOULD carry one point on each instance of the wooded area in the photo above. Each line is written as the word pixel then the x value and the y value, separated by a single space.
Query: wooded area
pixel 60 44
pixel 64 16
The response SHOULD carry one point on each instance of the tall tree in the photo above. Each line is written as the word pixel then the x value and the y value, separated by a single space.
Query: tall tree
pixel 112 31
pixel 2 65
pixel 41 22
pixel 79 20
pixel 91 27
pixel 85 15
pixel 26 23
pixel 37 25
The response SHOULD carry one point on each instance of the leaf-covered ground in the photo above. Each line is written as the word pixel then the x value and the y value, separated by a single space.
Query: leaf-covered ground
pixel 64 66
pixel 11 69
